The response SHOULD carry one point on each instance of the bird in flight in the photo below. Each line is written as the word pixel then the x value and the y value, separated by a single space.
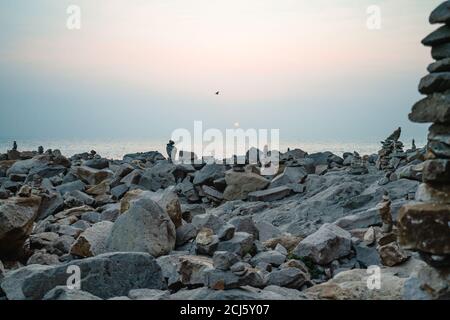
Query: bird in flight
pixel 217 93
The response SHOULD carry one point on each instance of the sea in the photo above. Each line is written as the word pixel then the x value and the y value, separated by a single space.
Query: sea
pixel 117 148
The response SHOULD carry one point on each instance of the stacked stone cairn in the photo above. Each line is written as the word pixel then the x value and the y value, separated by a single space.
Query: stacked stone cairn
pixel 424 225
pixel 391 155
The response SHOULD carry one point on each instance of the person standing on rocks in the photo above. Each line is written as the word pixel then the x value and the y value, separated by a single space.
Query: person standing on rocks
pixel 171 150
pixel 14 146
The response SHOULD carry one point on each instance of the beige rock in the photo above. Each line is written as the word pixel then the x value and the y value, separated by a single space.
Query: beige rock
pixel 240 184
pixel 99 189
pixel 92 241
pixel 16 222
pixel 167 199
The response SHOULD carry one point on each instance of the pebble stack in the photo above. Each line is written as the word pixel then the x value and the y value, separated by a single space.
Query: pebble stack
pixel 391 153
pixel 425 225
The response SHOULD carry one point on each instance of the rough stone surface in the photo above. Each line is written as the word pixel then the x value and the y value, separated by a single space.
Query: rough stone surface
pixel 327 244
pixel 93 240
pixel 425 227
pixel 145 227
pixel 115 275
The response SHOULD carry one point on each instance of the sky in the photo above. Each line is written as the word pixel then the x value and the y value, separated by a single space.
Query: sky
pixel 143 68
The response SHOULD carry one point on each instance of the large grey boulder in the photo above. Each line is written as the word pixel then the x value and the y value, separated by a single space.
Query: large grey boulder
pixel 160 176
pixel 328 243
pixel 16 222
pixel 105 276
pixel 145 227
pixel 167 199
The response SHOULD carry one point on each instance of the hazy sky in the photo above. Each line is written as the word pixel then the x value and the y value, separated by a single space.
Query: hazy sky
pixel 142 68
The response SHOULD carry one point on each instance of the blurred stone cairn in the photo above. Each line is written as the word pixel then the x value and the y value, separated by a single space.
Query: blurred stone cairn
pixel 391 156
pixel 424 225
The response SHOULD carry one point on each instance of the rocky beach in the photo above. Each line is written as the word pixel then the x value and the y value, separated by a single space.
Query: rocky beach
pixel 324 226
pixel 152 229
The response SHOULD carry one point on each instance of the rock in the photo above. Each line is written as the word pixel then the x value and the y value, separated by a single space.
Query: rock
pixel 208 174
pixel 64 293
pixel 226 232
pixel 144 227
pixel 212 194
pixel 193 268
pixel 391 254
pixel 245 224
pixel 77 199
pixel 91 217
pixel 208 221
pixel 288 277
pixel 110 212
pixel 92 241
pixel 436 171
pixel 99 189
pixel 240 184
pixel 270 194
pixel 435 82
pixel 435 108
pixel 185 233
pixel 325 245
pixel 151 156
pixel 63 243
pixel 281 249
pixel 267 231
pixel 149 294
pixel 132 178
pixel 42 240
pixel 169 201
pixel 427 283
pixel 439 140
pixel 441 51
pixel 97 163
pixel 240 268
pixel 115 275
pixel 119 191
pixel 92 176
pixel 352 285
pixel 440 36
pixel 76 185
pixel 43 258
pixel 223 260
pixel 424 227
pixel 188 190
pixel 16 222
pixel 221 280
pixel 440 66
pixel 160 176
pixel 441 14
pixel 272 257
pixel 433 193
pixel 288 241
pixel 50 205
pixel 240 244
pixel 245 293
pixel 290 175
pixel 206 242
